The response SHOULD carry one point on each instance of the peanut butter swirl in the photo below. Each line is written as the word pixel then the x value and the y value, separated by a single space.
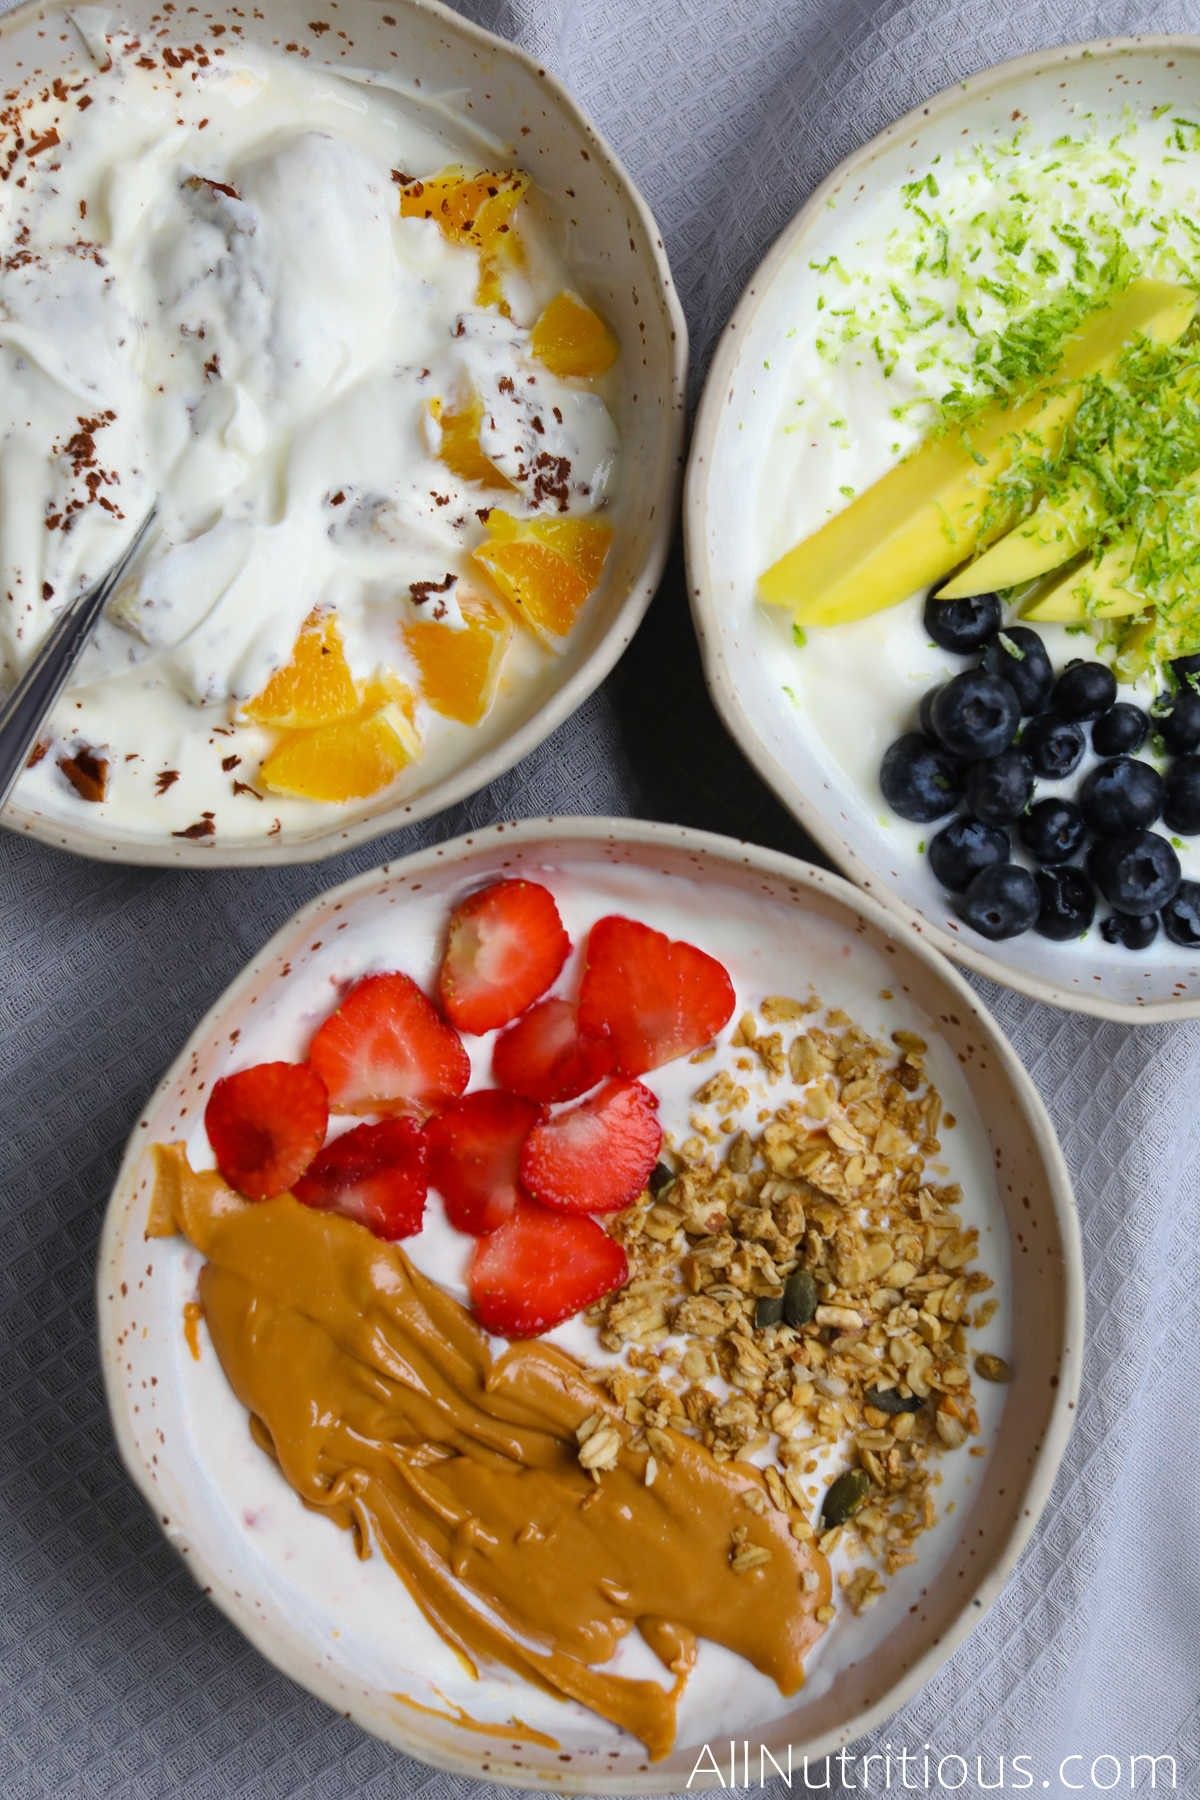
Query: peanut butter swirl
pixel 383 1405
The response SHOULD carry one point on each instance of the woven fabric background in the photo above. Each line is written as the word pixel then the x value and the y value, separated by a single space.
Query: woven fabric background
pixel 117 1679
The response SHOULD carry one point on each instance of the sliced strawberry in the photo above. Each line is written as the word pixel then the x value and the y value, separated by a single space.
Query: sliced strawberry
pixel 475 1154
pixel 265 1125
pixel 539 1268
pixel 505 946
pixel 385 1050
pixel 655 999
pixel 545 1056
pixel 597 1156
pixel 375 1174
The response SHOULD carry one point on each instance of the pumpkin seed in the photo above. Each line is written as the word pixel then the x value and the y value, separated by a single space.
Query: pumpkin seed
pixel 799 1297
pixel 845 1497
pixel 891 1400
pixel 660 1177
pixel 992 1368
pixel 768 1310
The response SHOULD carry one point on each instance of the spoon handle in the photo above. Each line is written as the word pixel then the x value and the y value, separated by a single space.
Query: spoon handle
pixel 24 711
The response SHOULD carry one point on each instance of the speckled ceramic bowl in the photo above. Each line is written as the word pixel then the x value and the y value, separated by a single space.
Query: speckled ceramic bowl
pixel 746 658
pixel 346 1629
pixel 610 237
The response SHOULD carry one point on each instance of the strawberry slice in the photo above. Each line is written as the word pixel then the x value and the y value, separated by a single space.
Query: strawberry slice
pixel 265 1125
pixel 505 946
pixel 539 1268
pixel 597 1156
pixel 653 998
pixel 385 1050
pixel 546 1057
pixel 474 1156
pixel 375 1174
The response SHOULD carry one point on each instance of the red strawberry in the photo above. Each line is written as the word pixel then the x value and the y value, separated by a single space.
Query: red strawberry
pixel 539 1268
pixel 265 1125
pixel 655 999
pixel 545 1057
pixel 375 1174
pixel 597 1156
pixel 504 947
pixel 385 1050
pixel 474 1154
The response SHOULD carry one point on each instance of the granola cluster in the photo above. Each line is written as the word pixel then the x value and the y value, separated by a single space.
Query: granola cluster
pixel 801 1289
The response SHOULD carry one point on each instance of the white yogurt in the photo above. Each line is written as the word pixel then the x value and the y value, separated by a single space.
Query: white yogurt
pixel 359 1609
pixel 207 295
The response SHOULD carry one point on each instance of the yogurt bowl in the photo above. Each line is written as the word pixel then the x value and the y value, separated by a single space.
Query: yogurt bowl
pixel 836 366
pixel 805 954
pixel 382 320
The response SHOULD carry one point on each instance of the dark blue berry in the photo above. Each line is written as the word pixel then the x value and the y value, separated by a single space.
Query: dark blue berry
pixel 1132 931
pixel 918 779
pixel 1181 915
pixel 1018 655
pixel 962 848
pixel 1121 795
pixel 1052 830
pixel 975 715
pixel 1185 667
pixel 998 789
pixel 1121 731
pixel 925 709
pixel 1068 903
pixel 1181 805
pixel 1084 690
pixel 1054 746
pixel 962 626
pixel 1138 873
pixel 1177 719
pixel 1001 902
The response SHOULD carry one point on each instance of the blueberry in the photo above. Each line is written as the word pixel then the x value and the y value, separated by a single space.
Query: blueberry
pixel 1177 719
pixel 1184 667
pixel 925 709
pixel 962 848
pixel 1137 873
pixel 1181 915
pixel 1181 807
pixel 1054 746
pixel 1084 690
pixel 999 789
pixel 963 626
pixel 919 781
pixel 1019 657
pixel 1001 902
pixel 1132 931
pixel 1122 730
pixel 1121 795
pixel 1068 903
pixel 975 714
pixel 1052 830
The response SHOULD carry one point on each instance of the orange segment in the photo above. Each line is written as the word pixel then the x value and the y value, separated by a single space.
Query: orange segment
pixel 315 687
pixel 571 339
pixel 460 448
pixel 471 209
pixel 460 665
pixel 544 568
pixel 352 758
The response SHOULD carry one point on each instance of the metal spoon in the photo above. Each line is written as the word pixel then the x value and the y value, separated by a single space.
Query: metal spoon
pixel 24 711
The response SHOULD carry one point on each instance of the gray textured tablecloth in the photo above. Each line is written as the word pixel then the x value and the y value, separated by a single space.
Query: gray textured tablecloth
pixel 116 1677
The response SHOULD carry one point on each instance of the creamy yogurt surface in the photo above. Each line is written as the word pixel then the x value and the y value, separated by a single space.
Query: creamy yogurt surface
pixel 208 298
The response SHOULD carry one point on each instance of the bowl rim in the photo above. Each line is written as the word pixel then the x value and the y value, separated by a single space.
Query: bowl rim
pixel 706 612
pixel 566 698
pixel 712 848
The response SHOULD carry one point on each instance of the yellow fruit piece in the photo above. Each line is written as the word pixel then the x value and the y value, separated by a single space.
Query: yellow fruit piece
pixel 1052 534
pixel 544 568
pixel 350 759
pixel 1094 591
pixel 459 666
pixel 460 448
pixel 571 339
pixel 470 209
pixel 926 515
pixel 315 687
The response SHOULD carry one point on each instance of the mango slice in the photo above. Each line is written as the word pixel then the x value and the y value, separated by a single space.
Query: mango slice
pixel 315 687
pixel 570 339
pixel 1053 533
pixel 459 666
pixel 1104 588
pixel 926 515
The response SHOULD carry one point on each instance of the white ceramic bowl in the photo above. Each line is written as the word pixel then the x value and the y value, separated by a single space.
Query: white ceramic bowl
pixel 286 1578
pixel 746 655
pixel 613 242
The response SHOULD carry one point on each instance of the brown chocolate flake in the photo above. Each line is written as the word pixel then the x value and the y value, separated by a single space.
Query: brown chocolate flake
pixel 422 591
pixel 165 779
pixel 37 753
pixel 202 828
pixel 87 773
pixel 230 762
pixel 243 787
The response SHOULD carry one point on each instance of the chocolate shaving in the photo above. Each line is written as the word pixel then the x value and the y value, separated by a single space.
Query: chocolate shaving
pixel 87 773
pixel 422 591
pixel 164 779
pixel 202 828
pixel 230 762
